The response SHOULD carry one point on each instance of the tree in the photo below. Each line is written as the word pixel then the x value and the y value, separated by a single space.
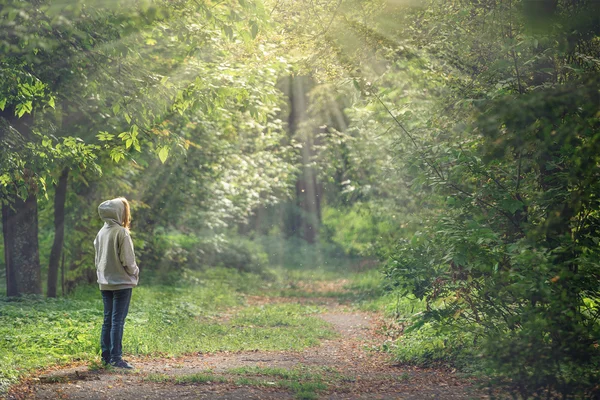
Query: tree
pixel 510 257
pixel 486 113
pixel 92 59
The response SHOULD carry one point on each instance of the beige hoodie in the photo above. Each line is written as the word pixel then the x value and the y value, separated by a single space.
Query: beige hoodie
pixel 115 259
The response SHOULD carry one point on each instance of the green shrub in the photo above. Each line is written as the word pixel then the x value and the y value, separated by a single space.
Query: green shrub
pixel 240 254
pixel 357 230
pixel 296 253
pixel 175 251
pixel 432 344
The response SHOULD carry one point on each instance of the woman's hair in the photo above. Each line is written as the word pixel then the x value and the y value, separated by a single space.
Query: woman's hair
pixel 126 213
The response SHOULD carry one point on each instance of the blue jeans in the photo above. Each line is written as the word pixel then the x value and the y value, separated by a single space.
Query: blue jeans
pixel 116 306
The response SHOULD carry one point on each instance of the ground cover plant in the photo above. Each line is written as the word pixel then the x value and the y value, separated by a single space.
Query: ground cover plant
pixel 304 382
pixel 349 362
pixel 163 321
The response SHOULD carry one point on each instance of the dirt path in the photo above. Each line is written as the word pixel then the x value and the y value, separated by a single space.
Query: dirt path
pixel 344 366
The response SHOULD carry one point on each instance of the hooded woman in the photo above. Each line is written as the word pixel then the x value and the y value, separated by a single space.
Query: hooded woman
pixel 117 273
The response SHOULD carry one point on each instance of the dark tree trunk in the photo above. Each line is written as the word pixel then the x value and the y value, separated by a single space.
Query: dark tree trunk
pixel 303 219
pixel 62 273
pixel 59 232
pixel 308 196
pixel 21 250
pixel 20 217
pixel 11 279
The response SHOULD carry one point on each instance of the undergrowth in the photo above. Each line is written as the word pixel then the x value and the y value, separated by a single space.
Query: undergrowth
pixel 188 317
pixel 36 332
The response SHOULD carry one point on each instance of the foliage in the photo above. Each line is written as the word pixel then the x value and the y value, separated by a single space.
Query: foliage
pixel 296 254
pixel 189 251
pixel 511 260
pixel 431 345
pixel 359 231
pixel 483 122
pixel 182 94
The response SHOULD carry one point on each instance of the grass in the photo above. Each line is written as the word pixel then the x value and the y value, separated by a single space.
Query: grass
pixel 303 382
pixel 207 377
pixel 36 332
pixel 166 320
pixel 187 317
pixel 298 373
pixel 363 290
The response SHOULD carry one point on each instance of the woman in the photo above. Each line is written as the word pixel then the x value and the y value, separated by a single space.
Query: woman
pixel 117 273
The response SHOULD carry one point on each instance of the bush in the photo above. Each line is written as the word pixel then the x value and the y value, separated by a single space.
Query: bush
pixel 357 230
pixel 294 253
pixel 238 253
pixel 175 251
pixel 432 344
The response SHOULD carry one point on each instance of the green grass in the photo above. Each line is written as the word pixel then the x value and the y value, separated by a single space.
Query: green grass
pixel 158 378
pixel 163 320
pixel 185 379
pixel 202 377
pixel 298 373
pixel 363 289
pixel 305 383
pixel 199 378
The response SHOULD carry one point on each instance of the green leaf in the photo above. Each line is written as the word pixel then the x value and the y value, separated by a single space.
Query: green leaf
pixel 254 29
pixel 415 326
pixel 2 104
pixel 512 205
pixel 163 153
pixel 117 154
pixel 51 102
pixel 23 108
pixel 228 32
pixel 5 179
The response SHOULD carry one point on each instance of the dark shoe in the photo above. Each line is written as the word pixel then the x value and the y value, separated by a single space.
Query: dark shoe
pixel 121 364
pixel 105 362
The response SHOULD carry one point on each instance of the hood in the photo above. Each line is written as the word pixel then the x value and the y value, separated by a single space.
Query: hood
pixel 112 211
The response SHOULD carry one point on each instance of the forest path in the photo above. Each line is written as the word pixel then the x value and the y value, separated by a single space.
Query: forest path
pixel 339 368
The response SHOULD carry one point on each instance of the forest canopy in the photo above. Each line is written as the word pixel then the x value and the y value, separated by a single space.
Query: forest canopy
pixel 454 145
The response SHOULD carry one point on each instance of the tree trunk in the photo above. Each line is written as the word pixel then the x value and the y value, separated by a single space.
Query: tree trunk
pixel 20 217
pixel 59 232
pixel 304 216
pixel 309 204
pixel 11 285
pixel 21 250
